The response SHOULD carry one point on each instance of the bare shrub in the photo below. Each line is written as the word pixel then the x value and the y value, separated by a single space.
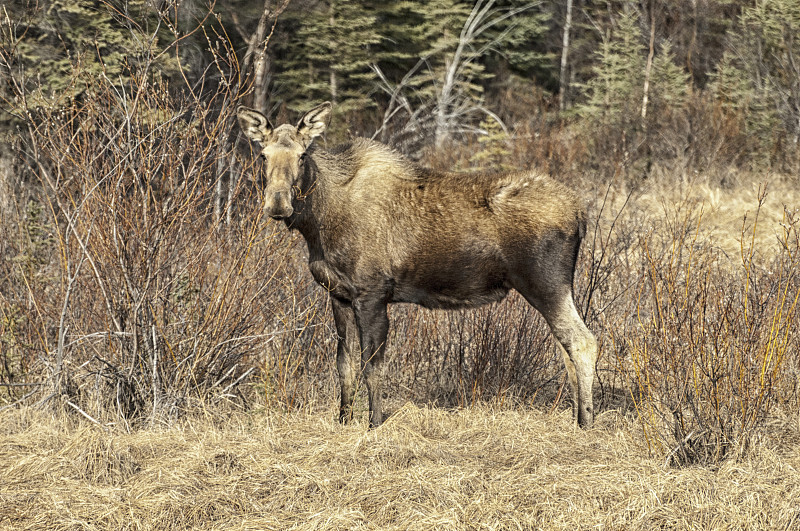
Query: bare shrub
pixel 717 137
pixel 714 342
pixel 131 292
pixel 498 352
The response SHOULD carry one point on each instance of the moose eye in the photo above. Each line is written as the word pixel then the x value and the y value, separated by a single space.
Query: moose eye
pixel 302 159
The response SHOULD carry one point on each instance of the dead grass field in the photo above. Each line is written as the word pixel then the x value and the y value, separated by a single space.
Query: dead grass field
pixel 723 207
pixel 474 468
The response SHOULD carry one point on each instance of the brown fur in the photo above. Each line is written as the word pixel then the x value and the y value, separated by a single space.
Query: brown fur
pixel 381 229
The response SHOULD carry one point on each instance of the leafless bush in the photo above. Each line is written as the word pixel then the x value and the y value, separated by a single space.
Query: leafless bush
pixel 153 298
pixel 143 273
pixel 715 339
pixel 502 351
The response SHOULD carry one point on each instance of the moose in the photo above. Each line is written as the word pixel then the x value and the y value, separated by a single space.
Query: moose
pixel 381 229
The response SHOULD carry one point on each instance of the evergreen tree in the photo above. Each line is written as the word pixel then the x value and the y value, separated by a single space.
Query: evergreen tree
pixel 731 84
pixel 353 52
pixel 398 48
pixel 461 37
pixel 670 82
pixel 66 44
pixel 494 152
pixel 329 56
pixel 615 91
pixel 735 89
pixel 522 45
pixel 759 76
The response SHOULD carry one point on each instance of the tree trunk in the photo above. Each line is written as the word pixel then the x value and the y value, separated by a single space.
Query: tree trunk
pixel 693 41
pixel 256 55
pixel 261 64
pixel 451 68
pixel 649 66
pixel 562 81
pixel 7 178
pixel 646 90
pixel 333 80
pixel 440 132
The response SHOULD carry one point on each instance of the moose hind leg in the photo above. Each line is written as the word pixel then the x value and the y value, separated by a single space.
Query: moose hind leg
pixel 580 346
pixel 373 326
pixel 347 348
pixel 577 342
pixel 573 378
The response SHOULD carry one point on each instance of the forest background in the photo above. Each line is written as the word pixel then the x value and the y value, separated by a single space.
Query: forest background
pixel 139 278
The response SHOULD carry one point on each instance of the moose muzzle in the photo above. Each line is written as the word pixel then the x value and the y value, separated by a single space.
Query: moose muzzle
pixel 278 204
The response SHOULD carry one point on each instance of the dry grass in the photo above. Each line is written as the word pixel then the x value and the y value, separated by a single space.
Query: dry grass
pixel 425 468
pixel 724 207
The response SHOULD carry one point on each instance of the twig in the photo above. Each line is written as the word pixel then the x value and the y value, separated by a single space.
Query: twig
pixel 239 379
pixel 225 376
pixel 9 406
pixel 45 400
pixel 85 414
pixel 558 396
pixel 678 447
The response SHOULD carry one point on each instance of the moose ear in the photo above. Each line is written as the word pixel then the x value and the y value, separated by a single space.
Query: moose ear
pixel 314 122
pixel 254 124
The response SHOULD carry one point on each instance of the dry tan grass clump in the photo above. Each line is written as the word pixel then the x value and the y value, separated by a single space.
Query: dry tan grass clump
pixel 725 214
pixel 424 469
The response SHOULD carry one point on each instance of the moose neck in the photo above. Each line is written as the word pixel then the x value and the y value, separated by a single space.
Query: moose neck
pixel 307 202
pixel 321 206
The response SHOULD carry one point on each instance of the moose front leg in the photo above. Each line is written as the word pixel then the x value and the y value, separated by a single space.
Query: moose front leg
pixel 373 326
pixel 347 348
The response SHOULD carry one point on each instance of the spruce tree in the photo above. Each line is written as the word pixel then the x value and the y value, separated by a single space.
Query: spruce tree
pixel 461 37
pixel 494 153
pixel 439 31
pixel 731 84
pixel 522 45
pixel 759 76
pixel 615 91
pixel 670 82
pixel 67 44
pixel 328 57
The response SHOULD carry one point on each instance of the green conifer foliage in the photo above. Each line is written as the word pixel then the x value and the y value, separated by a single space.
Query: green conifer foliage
pixel 63 45
pixel 670 82
pixel 329 55
pixel 731 84
pixel 760 74
pixel 355 52
pixel 615 91
pixel 462 37
pixel 494 152
pixel 522 42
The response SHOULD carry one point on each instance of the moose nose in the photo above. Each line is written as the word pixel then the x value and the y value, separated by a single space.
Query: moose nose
pixel 279 205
